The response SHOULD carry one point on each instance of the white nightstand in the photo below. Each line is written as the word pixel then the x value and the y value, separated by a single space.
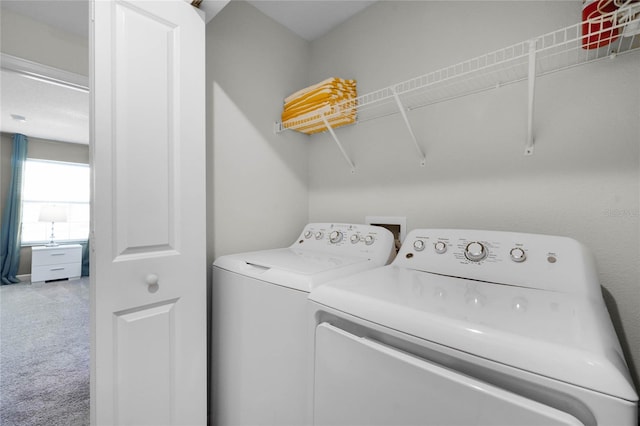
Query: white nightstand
pixel 54 263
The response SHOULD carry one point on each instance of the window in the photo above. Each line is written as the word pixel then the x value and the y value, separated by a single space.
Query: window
pixel 53 183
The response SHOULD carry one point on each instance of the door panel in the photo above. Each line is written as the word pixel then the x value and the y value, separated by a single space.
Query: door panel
pixel 148 217
pixel 140 336
pixel 362 382
pixel 145 220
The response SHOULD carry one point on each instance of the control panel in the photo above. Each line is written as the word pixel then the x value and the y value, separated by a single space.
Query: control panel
pixel 355 239
pixel 528 260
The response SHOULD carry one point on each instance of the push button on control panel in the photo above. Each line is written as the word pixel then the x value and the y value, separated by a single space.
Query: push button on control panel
pixel 518 255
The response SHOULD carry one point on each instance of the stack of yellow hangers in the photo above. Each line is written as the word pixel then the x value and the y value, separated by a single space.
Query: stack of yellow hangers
pixel 335 98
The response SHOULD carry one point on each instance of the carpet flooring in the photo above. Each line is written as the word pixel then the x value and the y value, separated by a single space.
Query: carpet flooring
pixel 44 353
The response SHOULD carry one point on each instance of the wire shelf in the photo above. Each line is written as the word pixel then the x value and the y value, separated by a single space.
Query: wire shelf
pixel 605 37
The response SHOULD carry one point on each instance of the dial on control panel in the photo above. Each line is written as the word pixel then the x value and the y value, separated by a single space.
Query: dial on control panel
pixel 355 238
pixel 440 247
pixel 319 235
pixel 369 239
pixel 475 251
pixel 418 245
pixel 335 237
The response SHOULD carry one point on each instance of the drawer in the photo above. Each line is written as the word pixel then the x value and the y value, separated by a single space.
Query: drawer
pixel 55 272
pixel 56 256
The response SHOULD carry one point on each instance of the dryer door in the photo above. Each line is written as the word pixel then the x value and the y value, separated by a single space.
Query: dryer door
pixel 362 382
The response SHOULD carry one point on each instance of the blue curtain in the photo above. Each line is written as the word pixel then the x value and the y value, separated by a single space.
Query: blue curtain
pixel 85 258
pixel 11 217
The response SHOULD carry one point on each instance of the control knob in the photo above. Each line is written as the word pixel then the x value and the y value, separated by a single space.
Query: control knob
pixel 308 234
pixel 440 247
pixel 319 235
pixel 355 238
pixel 335 237
pixel 518 255
pixel 475 251
pixel 418 245
pixel 368 240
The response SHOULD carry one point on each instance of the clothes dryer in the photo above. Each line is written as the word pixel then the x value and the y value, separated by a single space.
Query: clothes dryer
pixel 470 327
pixel 259 335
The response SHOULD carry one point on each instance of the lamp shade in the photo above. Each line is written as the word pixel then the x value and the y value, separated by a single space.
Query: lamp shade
pixel 53 213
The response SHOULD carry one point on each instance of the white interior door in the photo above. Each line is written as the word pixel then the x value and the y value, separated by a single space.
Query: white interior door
pixel 148 264
pixel 362 382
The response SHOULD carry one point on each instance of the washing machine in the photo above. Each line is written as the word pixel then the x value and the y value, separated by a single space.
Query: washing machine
pixel 469 327
pixel 259 332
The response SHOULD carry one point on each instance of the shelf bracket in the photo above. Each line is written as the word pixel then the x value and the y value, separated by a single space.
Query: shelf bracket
pixel 403 112
pixel 335 138
pixel 528 150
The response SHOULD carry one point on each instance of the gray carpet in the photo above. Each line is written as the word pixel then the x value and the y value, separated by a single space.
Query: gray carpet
pixel 44 353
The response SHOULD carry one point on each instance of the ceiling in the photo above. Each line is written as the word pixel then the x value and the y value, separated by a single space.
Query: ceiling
pixel 42 109
pixel 310 19
pixel 69 15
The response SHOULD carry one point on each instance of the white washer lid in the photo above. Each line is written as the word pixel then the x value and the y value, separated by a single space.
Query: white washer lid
pixel 296 261
pixel 293 268
pixel 557 335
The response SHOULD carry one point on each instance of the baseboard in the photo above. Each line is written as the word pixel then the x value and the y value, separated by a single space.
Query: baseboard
pixel 26 278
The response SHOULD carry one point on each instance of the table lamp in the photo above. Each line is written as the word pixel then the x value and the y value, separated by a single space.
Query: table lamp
pixel 53 213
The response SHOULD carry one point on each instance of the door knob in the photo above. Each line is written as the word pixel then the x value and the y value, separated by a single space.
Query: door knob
pixel 152 279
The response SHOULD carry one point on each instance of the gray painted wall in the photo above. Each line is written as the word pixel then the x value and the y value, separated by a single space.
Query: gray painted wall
pixel 257 181
pixel 32 40
pixel 582 181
